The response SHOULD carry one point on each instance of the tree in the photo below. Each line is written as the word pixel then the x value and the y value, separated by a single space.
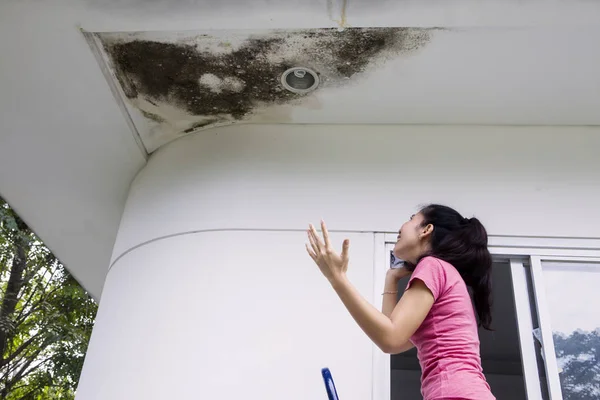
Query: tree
pixel 46 318
pixel 579 357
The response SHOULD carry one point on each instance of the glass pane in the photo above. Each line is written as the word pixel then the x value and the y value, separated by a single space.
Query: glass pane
pixel 573 296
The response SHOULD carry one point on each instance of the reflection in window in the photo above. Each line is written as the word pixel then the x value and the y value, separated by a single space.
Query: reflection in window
pixel 573 295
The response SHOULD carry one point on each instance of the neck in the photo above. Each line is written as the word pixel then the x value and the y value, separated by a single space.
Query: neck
pixel 419 253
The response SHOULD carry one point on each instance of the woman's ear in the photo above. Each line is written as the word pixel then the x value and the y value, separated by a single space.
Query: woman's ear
pixel 427 231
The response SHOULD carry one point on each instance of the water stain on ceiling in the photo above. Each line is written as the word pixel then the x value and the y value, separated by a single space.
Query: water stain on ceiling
pixel 179 83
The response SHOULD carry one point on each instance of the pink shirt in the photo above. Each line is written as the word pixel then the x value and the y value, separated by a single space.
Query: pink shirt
pixel 447 341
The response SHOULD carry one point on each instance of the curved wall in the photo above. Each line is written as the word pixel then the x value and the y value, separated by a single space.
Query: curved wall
pixel 538 181
pixel 227 315
pixel 211 294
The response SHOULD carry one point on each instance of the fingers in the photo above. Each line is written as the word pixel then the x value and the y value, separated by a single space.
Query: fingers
pixel 345 248
pixel 325 235
pixel 315 236
pixel 318 246
pixel 311 253
pixel 313 240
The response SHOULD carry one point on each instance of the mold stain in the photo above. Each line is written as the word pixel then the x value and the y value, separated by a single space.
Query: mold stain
pixel 216 80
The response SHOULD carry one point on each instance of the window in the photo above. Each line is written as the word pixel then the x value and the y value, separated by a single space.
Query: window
pixel 572 292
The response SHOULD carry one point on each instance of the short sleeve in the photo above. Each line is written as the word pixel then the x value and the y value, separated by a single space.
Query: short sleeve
pixel 433 274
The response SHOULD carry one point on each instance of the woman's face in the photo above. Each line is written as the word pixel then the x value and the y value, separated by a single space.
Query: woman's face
pixel 411 235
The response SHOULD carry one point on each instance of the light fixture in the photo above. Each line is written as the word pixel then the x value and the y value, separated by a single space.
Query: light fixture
pixel 300 80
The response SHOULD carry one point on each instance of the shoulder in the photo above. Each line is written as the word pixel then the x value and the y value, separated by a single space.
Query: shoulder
pixel 432 272
pixel 437 274
pixel 432 262
pixel 436 264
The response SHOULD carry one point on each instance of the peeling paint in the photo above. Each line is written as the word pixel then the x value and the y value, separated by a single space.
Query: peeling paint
pixel 189 82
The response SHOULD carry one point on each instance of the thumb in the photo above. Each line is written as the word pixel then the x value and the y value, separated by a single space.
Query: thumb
pixel 345 247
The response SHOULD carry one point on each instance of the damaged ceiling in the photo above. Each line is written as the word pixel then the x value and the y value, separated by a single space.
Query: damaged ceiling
pixel 171 84
pixel 174 84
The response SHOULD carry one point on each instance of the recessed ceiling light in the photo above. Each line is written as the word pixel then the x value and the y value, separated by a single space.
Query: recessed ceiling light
pixel 300 80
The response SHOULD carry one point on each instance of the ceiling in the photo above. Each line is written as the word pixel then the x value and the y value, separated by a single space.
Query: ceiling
pixel 71 139
pixel 175 83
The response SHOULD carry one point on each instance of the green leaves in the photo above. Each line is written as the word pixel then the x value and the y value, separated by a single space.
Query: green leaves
pixel 46 318
pixel 7 217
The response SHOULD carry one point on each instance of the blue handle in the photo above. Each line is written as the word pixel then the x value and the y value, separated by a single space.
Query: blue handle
pixel 329 384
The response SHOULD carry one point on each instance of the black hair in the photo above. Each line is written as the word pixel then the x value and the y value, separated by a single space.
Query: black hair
pixel 463 243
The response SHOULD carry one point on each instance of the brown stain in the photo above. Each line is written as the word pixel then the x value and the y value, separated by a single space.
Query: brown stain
pixel 342 22
pixel 343 17
pixel 202 124
pixel 152 116
pixel 248 76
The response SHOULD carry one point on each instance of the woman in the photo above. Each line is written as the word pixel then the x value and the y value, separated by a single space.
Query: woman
pixel 444 254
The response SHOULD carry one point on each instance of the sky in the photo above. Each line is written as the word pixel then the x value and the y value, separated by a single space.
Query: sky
pixel 572 294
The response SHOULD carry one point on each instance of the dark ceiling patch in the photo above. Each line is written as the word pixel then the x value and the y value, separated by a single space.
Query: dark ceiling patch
pixel 230 83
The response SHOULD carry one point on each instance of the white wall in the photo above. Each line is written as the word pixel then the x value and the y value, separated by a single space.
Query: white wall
pixel 227 315
pixel 519 181
pixel 210 268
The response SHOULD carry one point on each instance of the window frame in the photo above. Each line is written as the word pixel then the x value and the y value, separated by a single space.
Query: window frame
pixel 548 350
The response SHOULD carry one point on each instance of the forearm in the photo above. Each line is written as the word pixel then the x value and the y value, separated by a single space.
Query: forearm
pixel 390 297
pixel 377 326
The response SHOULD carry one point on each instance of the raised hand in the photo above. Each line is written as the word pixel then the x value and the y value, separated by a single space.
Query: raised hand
pixel 331 264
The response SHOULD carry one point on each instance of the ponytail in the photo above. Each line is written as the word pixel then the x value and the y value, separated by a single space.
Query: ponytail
pixel 463 243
